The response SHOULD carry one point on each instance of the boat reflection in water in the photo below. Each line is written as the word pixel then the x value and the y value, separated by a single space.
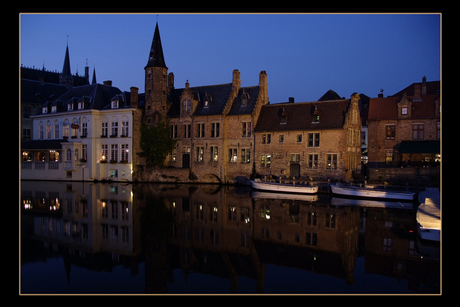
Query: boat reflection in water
pixel 214 239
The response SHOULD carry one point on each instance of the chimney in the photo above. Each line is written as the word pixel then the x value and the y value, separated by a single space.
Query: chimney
pixel 291 99
pixel 107 82
pixel 263 91
pixel 236 82
pixel 423 85
pixel 134 97
pixel 417 92
pixel 170 81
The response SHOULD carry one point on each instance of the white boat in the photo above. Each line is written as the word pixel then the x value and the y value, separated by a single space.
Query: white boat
pixel 429 220
pixel 341 189
pixel 284 187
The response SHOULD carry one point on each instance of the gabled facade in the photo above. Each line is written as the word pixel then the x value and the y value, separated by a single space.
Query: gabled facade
pixel 320 139
pixel 405 131
pixel 213 126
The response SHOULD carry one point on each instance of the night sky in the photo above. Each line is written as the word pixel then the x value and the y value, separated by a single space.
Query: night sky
pixel 304 54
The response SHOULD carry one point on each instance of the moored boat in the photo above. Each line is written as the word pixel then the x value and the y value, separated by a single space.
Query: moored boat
pixel 340 189
pixel 429 220
pixel 284 187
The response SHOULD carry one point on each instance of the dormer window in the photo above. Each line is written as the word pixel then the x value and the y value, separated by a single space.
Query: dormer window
pixel 316 115
pixel 207 100
pixel 114 104
pixel 53 109
pixel 70 107
pixel 283 115
pixel 81 105
pixel 404 111
pixel 44 110
pixel 244 99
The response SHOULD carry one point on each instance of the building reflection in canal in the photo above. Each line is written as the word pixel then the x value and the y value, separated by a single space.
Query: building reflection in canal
pixel 219 231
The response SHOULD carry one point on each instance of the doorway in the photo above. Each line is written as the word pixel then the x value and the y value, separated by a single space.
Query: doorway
pixel 186 160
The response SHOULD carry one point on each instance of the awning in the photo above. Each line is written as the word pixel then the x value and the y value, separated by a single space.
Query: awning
pixel 42 144
pixel 420 147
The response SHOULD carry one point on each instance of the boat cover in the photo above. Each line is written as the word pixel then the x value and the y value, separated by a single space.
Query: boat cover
pixel 429 214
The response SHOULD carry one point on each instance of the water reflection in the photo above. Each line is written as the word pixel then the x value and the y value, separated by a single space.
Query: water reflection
pixel 229 233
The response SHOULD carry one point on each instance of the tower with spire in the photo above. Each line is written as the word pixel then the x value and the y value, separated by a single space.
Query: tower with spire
pixel 65 78
pixel 156 90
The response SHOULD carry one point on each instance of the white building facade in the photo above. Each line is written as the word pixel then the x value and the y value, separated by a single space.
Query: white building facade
pixel 81 139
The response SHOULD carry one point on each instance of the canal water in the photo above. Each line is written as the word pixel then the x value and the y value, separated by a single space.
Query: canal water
pixel 113 238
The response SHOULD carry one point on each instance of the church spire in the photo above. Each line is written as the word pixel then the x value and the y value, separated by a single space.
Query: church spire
pixel 66 66
pixel 156 58
pixel 94 75
pixel 66 77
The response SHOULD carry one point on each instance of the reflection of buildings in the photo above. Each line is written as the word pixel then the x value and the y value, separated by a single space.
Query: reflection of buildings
pixel 218 231
pixel 390 247
pixel 90 224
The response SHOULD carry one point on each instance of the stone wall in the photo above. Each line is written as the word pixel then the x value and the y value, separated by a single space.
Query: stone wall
pixel 413 175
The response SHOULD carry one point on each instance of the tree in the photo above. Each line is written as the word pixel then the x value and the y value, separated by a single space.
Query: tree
pixel 156 142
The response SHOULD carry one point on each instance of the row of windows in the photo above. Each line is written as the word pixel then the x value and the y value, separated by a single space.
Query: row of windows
pixel 80 106
pixel 312 141
pixel 331 160
pixel 80 128
pixel 200 128
pixel 418 131
pixel 245 157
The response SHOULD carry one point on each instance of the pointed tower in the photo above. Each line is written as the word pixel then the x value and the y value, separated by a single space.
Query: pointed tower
pixel 156 72
pixel 94 76
pixel 66 77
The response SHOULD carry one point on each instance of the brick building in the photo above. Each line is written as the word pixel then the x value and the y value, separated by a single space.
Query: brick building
pixel 212 124
pixel 320 139
pixel 405 133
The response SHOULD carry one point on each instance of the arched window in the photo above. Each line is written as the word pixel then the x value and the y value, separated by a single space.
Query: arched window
pixel 48 130
pixel 68 155
pixel 56 129
pixel 66 128
pixel 114 131
pixel 105 126
pixel 40 130
pixel 124 126
pixel 84 127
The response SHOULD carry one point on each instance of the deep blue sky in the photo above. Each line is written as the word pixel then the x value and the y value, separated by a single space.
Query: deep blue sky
pixel 304 55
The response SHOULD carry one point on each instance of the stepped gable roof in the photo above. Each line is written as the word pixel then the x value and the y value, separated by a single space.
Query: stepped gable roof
pixel 99 95
pixel 250 93
pixel 300 116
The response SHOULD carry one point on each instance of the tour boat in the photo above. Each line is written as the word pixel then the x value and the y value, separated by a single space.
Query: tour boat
pixel 284 187
pixel 343 190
